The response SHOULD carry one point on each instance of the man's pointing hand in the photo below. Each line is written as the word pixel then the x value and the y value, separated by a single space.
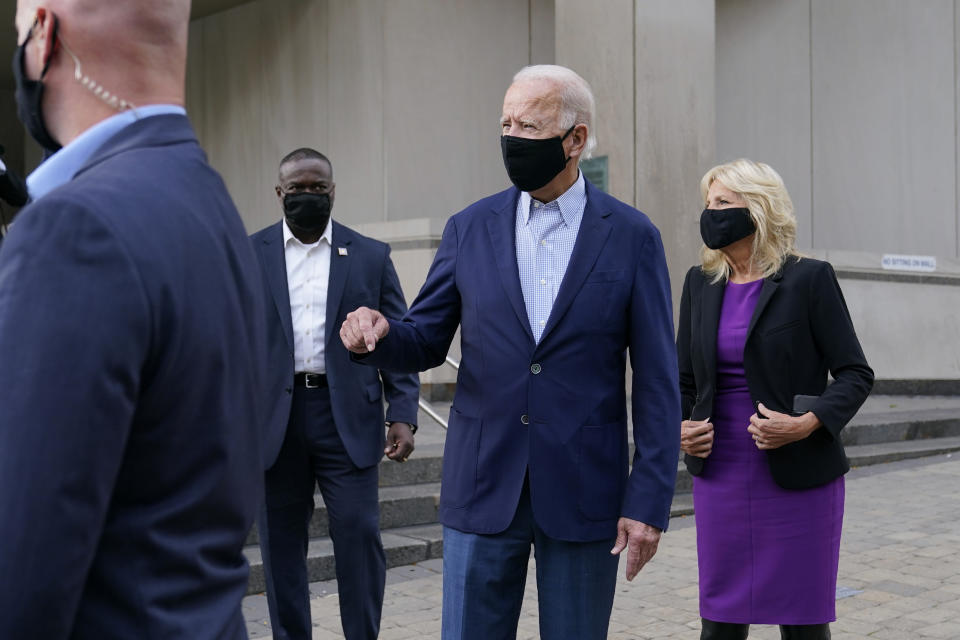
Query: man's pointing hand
pixel 362 329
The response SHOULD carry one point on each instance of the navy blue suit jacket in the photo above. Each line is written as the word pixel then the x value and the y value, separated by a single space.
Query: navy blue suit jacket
pixel 362 274
pixel 131 343
pixel 557 409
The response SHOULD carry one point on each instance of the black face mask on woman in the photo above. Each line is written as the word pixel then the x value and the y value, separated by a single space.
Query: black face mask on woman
pixel 722 227
pixel 307 211
pixel 29 95
pixel 532 162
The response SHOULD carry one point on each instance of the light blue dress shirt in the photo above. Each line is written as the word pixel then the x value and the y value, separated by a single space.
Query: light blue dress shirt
pixel 546 233
pixel 60 168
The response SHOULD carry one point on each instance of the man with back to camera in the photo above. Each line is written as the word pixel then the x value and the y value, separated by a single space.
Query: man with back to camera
pixel 552 283
pixel 131 344
pixel 325 412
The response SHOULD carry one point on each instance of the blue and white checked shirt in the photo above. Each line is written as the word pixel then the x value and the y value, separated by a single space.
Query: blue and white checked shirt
pixel 546 234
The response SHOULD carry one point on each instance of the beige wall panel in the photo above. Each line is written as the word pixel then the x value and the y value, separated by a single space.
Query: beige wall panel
pixel 916 336
pixel 763 92
pixel 542 32
pixel 293 83
pixel 355 107
pixel 675 59
pixel 884 176
pixel 231 104
pixel 607 64
pixel 444 78
pixel 956 130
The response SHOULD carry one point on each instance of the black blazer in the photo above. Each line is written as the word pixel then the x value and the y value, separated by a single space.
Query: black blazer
pixel 799 331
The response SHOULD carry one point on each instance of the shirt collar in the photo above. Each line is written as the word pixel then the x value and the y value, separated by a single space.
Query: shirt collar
pixel 60 168
pixel 288 236
pixel 569 202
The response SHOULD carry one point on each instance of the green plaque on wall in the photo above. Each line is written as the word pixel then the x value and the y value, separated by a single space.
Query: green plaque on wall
pixel 595 170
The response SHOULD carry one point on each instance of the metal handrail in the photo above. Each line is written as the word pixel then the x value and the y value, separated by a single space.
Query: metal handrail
pixel 428 408
pixel 430 411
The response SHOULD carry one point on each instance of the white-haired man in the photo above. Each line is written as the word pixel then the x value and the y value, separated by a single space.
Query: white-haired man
pixel 552 283
pixel 131 344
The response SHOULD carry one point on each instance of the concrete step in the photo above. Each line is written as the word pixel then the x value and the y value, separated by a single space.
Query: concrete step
pixel 423 465
pixel 870 454
pixel 897 426
pixel 405 545
pixel 401 545
pixel 416 503
pixel 876 426
pixel 401 506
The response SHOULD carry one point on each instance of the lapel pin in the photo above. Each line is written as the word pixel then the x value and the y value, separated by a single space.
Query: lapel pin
pixel 342 251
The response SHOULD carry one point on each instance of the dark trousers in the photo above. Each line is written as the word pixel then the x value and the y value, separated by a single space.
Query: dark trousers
pixel 313 454
pixel 731 631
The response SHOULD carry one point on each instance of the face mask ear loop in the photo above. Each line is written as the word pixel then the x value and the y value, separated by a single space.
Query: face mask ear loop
pixel 564 137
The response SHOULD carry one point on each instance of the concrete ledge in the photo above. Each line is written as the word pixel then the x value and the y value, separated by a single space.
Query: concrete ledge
pixel 917 387
pixel 871 454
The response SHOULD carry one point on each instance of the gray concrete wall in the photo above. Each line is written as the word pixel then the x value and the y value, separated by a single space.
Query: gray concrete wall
pixel 763 92
pixel 652 75
pixel 403 96
pixel 676 135
pixel 855 103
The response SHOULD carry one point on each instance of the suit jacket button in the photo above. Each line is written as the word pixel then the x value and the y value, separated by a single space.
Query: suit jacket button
pixel 524 419
pixel 535 368
pixel 289 389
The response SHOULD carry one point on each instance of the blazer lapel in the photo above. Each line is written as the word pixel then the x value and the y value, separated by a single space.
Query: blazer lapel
pixel 501 227
pixel 711 302
pixel 766 292
pixel 275 265
pixel 593 234
pixel 340 260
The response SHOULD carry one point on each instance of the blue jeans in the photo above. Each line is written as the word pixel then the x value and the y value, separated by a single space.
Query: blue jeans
pixel 484 578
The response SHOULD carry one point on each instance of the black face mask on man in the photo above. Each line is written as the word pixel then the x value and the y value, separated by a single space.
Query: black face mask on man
pixel 309 212
pixel 531 162
pixel 722 227
pixel 29 95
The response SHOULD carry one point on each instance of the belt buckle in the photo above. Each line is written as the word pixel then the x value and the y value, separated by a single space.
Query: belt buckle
pixel 306 380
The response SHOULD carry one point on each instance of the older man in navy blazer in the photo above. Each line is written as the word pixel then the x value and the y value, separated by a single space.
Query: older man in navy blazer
pixel 552 283
pixel 326 413
pixel 131 345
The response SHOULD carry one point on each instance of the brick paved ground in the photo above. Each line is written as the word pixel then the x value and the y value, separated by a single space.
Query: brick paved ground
pixel 899 572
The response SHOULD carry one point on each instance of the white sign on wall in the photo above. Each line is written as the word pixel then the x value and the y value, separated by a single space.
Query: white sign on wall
pixel 895 262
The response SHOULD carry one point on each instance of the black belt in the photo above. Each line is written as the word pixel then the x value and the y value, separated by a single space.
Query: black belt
pixel 310 380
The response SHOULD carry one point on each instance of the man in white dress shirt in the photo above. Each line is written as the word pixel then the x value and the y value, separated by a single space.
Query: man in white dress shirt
pixel 326 418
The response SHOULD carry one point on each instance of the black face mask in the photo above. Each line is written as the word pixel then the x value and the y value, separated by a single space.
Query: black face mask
pixel 532 163
pixel 29 96
pixel 309 212
pixel 722 227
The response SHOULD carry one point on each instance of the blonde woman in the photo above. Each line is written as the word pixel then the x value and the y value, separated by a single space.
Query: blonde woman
pixel 760 328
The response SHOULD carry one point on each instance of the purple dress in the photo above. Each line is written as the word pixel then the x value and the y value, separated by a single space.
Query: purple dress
pixel 766 555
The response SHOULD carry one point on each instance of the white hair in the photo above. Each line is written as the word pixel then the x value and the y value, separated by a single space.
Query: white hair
pixel 576 99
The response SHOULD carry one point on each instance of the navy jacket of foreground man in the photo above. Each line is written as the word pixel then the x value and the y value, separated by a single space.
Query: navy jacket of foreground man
pixel 131 344
pixel 557 408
